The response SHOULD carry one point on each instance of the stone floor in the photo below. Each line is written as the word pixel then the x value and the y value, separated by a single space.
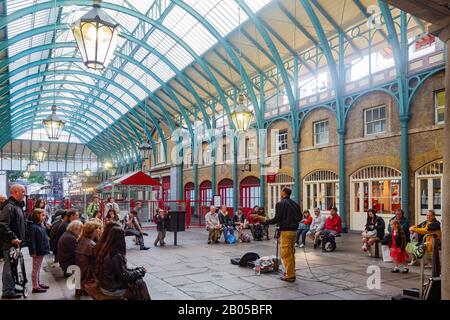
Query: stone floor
pixel 196 270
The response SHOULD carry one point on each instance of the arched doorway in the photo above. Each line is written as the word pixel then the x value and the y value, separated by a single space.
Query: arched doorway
pixel 189 191
pixel 429 190
pixel 249 191
pixel 205 194
pixel 274 191
pixel 321 190
pixel 377 187
pixel 225 188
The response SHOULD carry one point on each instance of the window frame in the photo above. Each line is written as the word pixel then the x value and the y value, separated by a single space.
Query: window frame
pixel 379 107
pixel 437 107
pixel 279 144
pixel 316 134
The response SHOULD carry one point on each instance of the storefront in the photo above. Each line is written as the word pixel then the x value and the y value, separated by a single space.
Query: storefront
pixel 321 190
pixel 376 187
pixel 276 183
pixel 429 190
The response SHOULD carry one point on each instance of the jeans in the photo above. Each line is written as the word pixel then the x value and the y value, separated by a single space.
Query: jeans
pixel 7 278
pixel 302 233
pixel 137 234
pixel 287 244
pixel 227 231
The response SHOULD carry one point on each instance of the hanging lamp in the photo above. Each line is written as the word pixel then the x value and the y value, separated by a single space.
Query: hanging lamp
pixel 40 154
pixel 241 116
pixel 96 36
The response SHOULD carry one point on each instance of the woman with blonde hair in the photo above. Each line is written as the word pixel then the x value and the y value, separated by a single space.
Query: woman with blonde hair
pixel 85 251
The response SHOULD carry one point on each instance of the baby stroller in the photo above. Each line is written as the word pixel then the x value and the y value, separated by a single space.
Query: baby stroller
pixel 18 269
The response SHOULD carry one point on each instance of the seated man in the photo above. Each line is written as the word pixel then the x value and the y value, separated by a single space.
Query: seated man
pixel 317 225
pixel 226 221
pixel 333 225
pixel 213 225
pixel 132 228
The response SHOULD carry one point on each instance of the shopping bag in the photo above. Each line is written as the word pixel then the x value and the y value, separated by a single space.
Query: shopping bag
pixel 386 252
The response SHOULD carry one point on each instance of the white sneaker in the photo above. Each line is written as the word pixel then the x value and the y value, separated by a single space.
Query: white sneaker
pixel 301 246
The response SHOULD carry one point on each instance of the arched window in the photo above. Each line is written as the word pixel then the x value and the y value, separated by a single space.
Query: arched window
pixel 225 187
pixel 274 190
pixel 429 189
pixel 321 190
pixel 377 187
pixel 250 196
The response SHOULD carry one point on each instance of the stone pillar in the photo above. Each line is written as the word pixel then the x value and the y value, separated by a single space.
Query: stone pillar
pixel 442 30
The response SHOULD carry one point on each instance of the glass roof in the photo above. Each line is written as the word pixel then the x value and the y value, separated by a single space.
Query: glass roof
pixel 84 93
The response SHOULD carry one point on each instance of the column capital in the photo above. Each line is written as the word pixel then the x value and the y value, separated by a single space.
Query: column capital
pixel 441 29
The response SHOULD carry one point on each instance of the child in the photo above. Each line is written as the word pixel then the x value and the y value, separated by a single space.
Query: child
pixel 397 243
pixel 162 222
pixel 39 246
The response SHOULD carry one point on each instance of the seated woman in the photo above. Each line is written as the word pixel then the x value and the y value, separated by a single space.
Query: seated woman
pixel 227 222
pixel 400 218
pixel 303 228
pixel 67 245
pixel 373 232
pixel 111 216
pixel 85 251
pixel 113 275
pixel 98 219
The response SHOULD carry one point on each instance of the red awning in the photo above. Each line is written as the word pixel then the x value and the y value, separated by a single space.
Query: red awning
pixel 138 178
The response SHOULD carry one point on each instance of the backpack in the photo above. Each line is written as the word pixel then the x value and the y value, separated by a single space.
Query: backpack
pixel 247 260
pixel 245 237
pixel 258 231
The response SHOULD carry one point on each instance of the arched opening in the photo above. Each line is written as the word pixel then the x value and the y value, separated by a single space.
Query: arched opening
pixel 249 191
pixel 428 189
pixel 205 195
pixel 321 190
pixel 274 187
pixel 189 191
pixel 377 187
pixel 225 188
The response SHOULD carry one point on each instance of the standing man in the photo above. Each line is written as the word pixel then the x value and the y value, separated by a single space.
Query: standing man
pixel 287 215
pixel 138 209
pixel 12 232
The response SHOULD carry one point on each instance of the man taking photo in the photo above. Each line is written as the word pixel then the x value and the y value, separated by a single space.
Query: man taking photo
pixel 287 215
pixel 12 232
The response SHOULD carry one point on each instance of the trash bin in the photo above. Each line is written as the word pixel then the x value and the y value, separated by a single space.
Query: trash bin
pixel 177 223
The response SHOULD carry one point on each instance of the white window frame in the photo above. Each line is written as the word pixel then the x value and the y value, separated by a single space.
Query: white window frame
pixel 374 121
pixel 282 145
pixel 438 107
pixel 317 134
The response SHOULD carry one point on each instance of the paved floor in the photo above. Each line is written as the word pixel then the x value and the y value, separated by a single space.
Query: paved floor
pixel 196 270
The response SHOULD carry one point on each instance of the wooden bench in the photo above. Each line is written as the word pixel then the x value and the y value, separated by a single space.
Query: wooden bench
pixel 92 290
pixel 377 249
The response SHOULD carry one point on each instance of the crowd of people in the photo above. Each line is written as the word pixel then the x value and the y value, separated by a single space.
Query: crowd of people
pixel 97 247
pixel 97 244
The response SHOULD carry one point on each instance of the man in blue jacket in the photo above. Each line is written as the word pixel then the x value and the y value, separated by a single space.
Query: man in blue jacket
pixel 12 232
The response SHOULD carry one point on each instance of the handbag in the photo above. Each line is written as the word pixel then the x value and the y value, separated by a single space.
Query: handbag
pixel 386 253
